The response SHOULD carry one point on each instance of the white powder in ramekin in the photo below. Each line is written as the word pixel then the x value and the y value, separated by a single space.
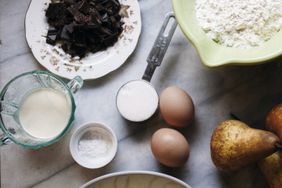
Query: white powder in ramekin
pixel 95 144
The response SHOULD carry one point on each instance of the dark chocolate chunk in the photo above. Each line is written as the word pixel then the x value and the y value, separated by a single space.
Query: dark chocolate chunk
pixel 84 8
pixel 77 50
pixel 52 36
pixel 66 32
pixel 83 26
pixel 58 15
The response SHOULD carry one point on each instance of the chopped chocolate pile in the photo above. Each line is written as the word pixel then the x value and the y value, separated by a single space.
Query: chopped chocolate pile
pixel 83 26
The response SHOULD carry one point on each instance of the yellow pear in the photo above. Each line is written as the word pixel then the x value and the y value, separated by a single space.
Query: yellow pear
pixel 271 167
pixel 235 145
pixel 274 120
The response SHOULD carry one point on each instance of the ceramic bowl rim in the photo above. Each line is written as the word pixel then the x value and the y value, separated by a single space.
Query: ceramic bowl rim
pixel 135 172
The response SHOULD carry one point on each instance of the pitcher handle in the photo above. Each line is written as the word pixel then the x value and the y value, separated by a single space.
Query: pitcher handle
pixel 4 140
pixel 9 109
pixel 75 84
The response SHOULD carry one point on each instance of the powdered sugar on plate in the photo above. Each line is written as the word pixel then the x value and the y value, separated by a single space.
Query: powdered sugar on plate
pixel 240 23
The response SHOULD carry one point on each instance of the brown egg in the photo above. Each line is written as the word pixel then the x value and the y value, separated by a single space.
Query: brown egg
pixel 170 147
pixel 176 107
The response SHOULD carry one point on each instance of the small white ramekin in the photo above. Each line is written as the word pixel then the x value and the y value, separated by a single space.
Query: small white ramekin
pixel 95 163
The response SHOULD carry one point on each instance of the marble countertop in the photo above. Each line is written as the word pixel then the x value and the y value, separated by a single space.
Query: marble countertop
pixel 249 92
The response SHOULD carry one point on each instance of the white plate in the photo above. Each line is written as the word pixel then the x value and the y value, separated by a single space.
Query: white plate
pixel 136 179
pixel 92 66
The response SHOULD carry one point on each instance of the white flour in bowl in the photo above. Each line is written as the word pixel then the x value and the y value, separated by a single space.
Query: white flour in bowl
pixel 240 23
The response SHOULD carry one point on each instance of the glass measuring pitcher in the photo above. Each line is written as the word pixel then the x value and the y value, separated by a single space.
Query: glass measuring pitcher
pixel 12 97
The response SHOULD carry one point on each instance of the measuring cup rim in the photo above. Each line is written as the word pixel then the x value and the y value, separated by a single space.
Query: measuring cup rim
pixel 142 80
pixel 54 139
pixel 149 83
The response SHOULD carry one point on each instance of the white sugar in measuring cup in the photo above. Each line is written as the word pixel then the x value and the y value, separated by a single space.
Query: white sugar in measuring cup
pixel 137 100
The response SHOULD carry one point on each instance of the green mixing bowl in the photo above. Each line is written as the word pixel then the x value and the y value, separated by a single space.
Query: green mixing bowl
pixel 213 54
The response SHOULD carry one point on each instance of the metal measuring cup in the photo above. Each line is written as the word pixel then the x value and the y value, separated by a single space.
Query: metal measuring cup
pixel 134 110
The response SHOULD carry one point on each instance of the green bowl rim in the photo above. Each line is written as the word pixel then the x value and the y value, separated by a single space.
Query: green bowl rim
pixel 232 61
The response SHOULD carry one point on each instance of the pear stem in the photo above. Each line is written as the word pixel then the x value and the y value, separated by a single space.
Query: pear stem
pixel 235 116
pixel 278 146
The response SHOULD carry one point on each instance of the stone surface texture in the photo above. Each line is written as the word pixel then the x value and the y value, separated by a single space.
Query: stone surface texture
pixel 248 92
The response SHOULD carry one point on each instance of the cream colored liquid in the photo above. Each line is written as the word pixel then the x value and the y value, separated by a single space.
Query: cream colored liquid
pixel 45 113
pixel 137 100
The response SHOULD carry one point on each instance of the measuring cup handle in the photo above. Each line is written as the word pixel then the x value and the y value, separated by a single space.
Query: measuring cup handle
pixel 160 46
pixel 75 84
